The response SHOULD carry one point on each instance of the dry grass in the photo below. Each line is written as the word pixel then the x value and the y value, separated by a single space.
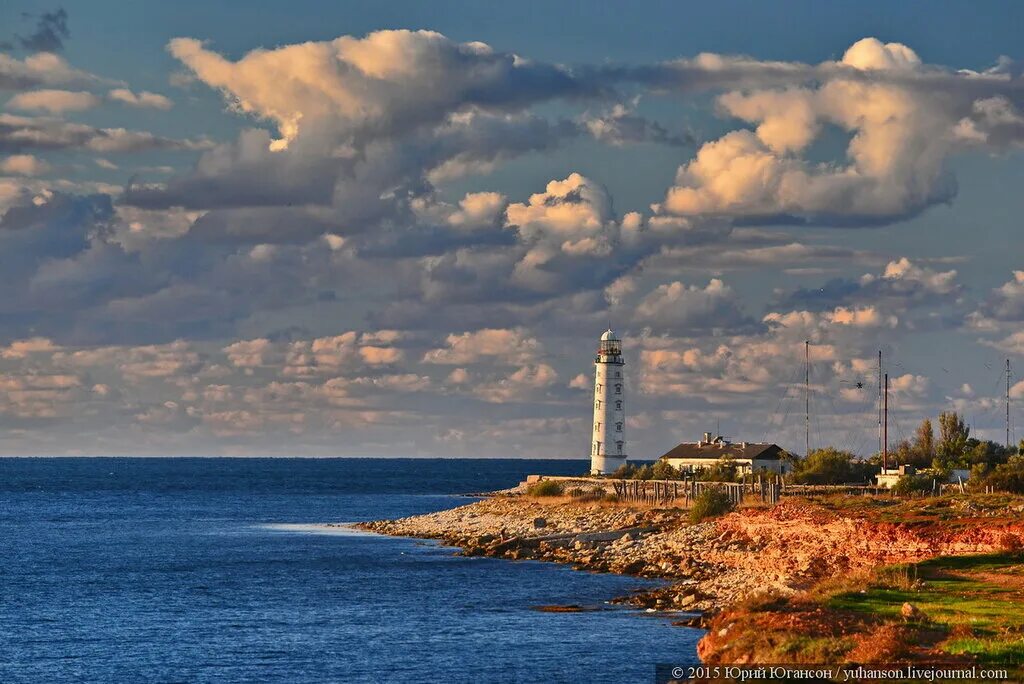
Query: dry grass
pixel 886 643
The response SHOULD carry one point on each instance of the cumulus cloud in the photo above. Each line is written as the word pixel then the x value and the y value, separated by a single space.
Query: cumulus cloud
pixel 915 296
pixel 691 308
pixel 521 385
pixel 142 99
pixel 573 215
pixel 994 122
pixel 903 127
pixel 24 165
pixel 54 101
pixel 507 345
pixel 1005 304
pixel 20 349
pixel 478 209
pixel 43 69
pixel 1012 343
pixel 374 85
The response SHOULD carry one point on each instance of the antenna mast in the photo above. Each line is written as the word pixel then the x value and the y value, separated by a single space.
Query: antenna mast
pixel 1007 403
pixel 885 426
pixel 807 397
pixel 879 401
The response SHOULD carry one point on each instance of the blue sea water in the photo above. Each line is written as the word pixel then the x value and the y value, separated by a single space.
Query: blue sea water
pixel 203 570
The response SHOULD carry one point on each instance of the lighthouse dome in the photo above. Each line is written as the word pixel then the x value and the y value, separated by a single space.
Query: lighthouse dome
pixel 609 335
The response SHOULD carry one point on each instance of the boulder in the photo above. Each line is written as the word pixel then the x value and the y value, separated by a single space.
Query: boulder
pixel 911 612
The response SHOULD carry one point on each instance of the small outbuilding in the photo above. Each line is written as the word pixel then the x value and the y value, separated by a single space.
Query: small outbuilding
pixel 747 457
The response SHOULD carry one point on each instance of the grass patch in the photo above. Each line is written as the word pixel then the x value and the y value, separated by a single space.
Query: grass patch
pixel 975 602
pixel 813 649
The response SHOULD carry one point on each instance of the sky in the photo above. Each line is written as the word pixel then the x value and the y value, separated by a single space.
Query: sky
pixel 399 228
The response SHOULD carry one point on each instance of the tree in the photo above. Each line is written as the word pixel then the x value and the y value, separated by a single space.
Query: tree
pixel 724 470
pixel 923 452
pixel 830 466
pixel 985 452
pixel 903 452
pixel 953 436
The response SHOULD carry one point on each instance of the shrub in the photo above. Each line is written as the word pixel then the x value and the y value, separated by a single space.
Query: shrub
pixel 592 494
pixel 710 503
pixel 545 488
pixel 663 470
pixel 630 471
pixel 913 484
pixel 626 471
pixel 1007 477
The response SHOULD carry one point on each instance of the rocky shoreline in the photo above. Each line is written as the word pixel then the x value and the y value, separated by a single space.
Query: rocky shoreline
pixel 711 565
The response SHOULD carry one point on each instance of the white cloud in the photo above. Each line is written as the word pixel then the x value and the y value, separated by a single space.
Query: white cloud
pixel 690 307
pixel 142 99
pixel 573 215
pixel 369 86
pixel 523 384
pixel 43 68
pixel 55 101
pixel 902 127
pixel 24 165
pixel 506 345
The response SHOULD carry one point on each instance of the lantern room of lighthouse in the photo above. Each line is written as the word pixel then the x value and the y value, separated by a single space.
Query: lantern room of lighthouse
pixel 608 444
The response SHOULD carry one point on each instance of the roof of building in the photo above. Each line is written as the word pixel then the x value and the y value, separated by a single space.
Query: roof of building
pixel 717 449
pixel 609 334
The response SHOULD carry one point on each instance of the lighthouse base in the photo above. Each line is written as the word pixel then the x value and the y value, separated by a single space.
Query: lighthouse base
pixel 606 465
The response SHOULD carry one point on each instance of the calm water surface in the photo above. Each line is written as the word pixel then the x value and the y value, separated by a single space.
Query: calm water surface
pixel 172 570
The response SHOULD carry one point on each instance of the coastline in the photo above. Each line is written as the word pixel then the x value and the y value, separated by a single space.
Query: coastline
pixel 781 551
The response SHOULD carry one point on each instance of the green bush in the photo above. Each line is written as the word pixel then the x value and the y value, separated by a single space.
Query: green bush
pixel 1007 477
pixel 710 503
pixel 913 484
pixel 545 488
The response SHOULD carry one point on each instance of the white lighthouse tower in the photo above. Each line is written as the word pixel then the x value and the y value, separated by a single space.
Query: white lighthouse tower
pixel 608 445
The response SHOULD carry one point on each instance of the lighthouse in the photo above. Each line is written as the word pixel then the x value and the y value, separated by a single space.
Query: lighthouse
pixel 608 444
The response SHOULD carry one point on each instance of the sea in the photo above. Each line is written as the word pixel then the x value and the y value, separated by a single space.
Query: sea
pixel 217 570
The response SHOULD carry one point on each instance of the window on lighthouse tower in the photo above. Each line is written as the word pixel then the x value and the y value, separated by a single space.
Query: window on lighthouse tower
pixel 618 427
pixel 618 405
pixel 618 445
pixel 618 388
